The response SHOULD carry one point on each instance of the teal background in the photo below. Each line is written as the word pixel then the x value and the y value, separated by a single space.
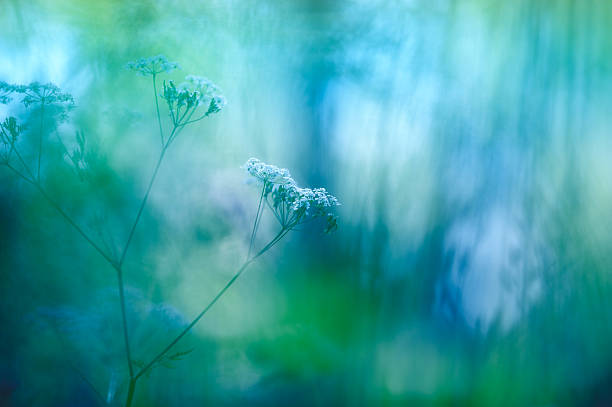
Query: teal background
pixel 468 141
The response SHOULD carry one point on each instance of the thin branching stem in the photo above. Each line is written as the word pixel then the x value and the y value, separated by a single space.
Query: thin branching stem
pixel 161 132
pixel 273 211
pixel 55 205
pixel 205 115
pixel 193 322
pixel 119 266
pixel 40 136
pixel 131 390
pixel 177 115
pixel 72 366
pixel 250 260
pixel 180 119
pixel 124 321
pixel 172 117
pixel 178 128
pixel 23 163
pixel 4 136
pixel 68 219
pixel 143 203
pixel 124 251
pixel 145 199
pixel 19 174
pixel 257 218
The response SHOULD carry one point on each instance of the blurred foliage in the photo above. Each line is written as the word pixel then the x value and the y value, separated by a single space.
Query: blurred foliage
pixel 468 142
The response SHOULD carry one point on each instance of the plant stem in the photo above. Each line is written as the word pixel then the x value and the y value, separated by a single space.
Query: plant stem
pixel 257 217
pixel 275 240
pixel 55 205
pixel 193 322
pixel 161 132
pixel 40 136
pixel 173 134
pixel 143 203
pixel 124 320
pixel 119 266
pixel 73 224
pixel 36 184
pixel 130 395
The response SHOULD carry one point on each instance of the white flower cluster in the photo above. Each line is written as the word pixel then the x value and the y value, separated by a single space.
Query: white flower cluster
pixel 35 92
pixel 152 65
pixel 267 172
pixel 291 204
pixel 209 94
pixel 305 198
pixel 184 99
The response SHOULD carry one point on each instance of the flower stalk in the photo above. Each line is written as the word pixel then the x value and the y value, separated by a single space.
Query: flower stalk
pixel 187 103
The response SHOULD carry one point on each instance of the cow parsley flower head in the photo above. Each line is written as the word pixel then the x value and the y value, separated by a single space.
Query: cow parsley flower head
pixel 45 94
pixel 152 65
pixel 209 94
pixel 266 172
pixel 6 89
pixel 10 129
pixel 36 93
pixel 291 204
pixel 183 100
pixel 9 132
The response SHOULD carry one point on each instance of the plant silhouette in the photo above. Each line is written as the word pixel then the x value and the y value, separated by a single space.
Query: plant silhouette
pixel 187 103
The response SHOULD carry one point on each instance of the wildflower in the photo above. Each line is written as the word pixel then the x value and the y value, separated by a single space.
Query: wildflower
pixel 10 129
pixel 266 172
pixel 152 65
pixel 9 132
pixel 185 99
pixel 36 92
pixel 5 91
pixel 291 204
pixel 209 94
pixel 48 94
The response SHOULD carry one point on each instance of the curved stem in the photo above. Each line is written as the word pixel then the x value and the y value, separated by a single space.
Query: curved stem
pixel 130 395
pixel 124 320
pixel 161 354
pixel 193 322
pixel 106 257
pixel 274 211
pixel 119 265
pixel 19 174
pixel 143 203
pixel 161 132
pixel 40 136
pixel 257 219
pixel 32 181
pixel 74 225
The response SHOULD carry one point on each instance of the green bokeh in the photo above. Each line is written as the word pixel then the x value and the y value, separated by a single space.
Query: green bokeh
pixel 468 141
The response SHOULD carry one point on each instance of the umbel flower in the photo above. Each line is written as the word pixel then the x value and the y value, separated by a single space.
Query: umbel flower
pixel 35 92
pixel 5 92
pixel 152 65
pixel 9 132
pixel 183 100
pixel 48 97
pixel 291 204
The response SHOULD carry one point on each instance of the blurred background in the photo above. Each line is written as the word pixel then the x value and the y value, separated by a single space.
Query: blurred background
pixel 468 141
